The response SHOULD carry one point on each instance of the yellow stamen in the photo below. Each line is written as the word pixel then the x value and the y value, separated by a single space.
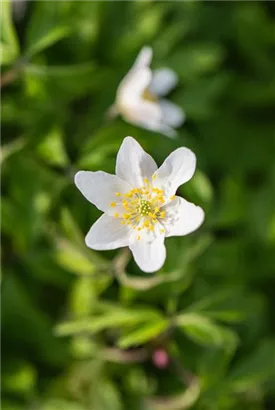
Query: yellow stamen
pixel 118 193
pixel 113 204
pixel 142 207
pixel 172 197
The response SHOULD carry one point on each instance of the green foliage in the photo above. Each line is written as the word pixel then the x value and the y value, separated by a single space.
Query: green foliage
pixel 79 327
pixel 9 42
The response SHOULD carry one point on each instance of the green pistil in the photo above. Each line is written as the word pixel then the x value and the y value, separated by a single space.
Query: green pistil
pixel 144 207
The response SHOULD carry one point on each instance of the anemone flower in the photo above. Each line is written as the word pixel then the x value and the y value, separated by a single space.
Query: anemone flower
pixel 139 97
pixel 139 203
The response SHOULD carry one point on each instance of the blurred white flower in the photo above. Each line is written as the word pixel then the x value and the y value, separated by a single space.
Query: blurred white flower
pixel 139 101
pixel 139 203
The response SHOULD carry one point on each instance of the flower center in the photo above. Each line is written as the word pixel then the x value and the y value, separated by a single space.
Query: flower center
pixel 141 207
pixel 148 96
pixel 144 207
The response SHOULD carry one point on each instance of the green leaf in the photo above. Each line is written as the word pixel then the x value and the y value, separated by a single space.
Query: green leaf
pixel 46 27
pixel 83 347
pixel 115 319
pixel 213 364
pixel 200 188
pixel 106 397
pixel 82 297
pixel 145 333
pixel 73 259
pixel 52 149
pixel 70 80
pixel 9 42
pixel 228 305
pixel 205 331
pixel 197 58
pixel 21 380
pixel 24 320
pixel 60 404
pixel 12 148
pixel 258 367
pixel 70 227
pixel 10 405
pixel 98 155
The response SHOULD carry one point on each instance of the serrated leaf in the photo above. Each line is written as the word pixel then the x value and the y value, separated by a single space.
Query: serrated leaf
pixel 143 334
pixel 9 42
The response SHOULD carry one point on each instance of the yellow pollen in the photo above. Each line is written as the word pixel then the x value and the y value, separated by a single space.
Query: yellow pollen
pixel 142 207
pixel 172 197
pixel 154 177
pixel 138 237
pixel 116 215
pixel 113 204
pixel 147 95
pixel 118 193
pixel 162 230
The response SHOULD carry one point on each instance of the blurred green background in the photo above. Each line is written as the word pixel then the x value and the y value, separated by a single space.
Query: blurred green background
pixel 78 332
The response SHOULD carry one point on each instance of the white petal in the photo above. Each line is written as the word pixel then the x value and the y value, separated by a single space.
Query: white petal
pixel 163 81
pixel 108 233
pixel 172 114
pixel 100 189
pixel 136 80
pixel 177 169
pixel 132 87
pixel 133 164
pixel 147 115
pixel 144 58
pixel 149 256
pixel 182 217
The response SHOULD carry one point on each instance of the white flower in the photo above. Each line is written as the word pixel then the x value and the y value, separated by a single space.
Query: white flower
pixel 138 97
pixel 139 203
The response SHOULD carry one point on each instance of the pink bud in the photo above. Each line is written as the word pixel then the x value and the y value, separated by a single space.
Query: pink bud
pixel 160 358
